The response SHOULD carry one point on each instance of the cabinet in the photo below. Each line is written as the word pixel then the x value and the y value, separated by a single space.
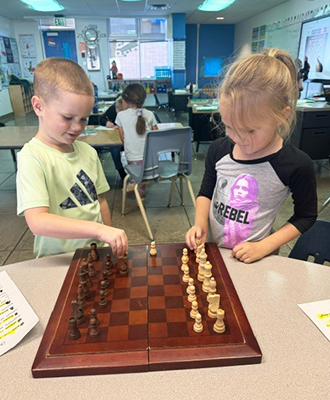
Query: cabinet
pixel 20 100
pixel 160 85
pixel 312 133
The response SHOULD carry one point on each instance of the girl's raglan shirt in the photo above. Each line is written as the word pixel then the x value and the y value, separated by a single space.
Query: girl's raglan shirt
pixel 247 194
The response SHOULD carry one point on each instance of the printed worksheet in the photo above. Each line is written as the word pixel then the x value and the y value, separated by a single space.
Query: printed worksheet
pixel 16 315
pixel 319 313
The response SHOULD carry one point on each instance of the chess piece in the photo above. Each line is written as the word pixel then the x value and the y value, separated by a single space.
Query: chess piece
pixel 123 266
pixel 207 276
pixel 186 276
pixel 214 304
pixel 153 250
pixel 109 265
pixel 199 249
pixel 212 287
pixel 94 253
pixel 192 293
pixel 194 309
pixel 198 326
pixel 102 300
pixel 94 315
pixel 77 311
pixel 202 261
pixel 94 330
pixel 219 325
pixel 81 296
pixel 104 288
pixel 105 277
pixel 91 270
pixel 74 331
pixel 184 258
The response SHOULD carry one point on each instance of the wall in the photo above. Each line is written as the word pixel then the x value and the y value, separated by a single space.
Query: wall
pixel 243 30
pixel 214 41
pixel 7 29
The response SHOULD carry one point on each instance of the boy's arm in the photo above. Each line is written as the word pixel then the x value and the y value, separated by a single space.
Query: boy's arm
pixel 249 252
pixel 105 212
pixel 199 230
pixel 42 223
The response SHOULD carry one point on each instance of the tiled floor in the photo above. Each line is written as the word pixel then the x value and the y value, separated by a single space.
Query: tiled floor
pixel 167 224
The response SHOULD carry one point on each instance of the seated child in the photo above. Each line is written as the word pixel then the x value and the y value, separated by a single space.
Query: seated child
pixel 60 181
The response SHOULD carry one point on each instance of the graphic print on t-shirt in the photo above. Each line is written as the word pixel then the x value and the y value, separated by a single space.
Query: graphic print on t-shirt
pixel 78 192
pixel 235 207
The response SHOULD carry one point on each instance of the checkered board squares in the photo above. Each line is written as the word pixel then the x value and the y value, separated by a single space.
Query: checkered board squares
pixel 146 324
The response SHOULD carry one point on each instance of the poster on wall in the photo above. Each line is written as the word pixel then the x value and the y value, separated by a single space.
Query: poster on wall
pixel 3 54
pixel 9 51
pixel 27 45
pixel 179 55
pixel 9 60
pixel 29 66
pixel 14 69
pixel 14 49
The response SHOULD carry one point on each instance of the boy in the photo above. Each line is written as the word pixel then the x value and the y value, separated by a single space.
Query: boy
pixel 60 181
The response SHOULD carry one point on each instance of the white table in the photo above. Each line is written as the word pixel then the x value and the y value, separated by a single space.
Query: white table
pixel 295 365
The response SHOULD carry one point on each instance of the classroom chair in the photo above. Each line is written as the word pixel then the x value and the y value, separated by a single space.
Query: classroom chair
pixel 161 101
pixel 314 242
pixel 167 156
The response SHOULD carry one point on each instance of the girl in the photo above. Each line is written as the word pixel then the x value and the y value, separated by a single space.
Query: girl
pixel 249 173
pixel 133 124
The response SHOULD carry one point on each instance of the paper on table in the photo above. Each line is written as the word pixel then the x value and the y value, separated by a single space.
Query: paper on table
pixel 16 315
pixel 104 128
pixel 319 313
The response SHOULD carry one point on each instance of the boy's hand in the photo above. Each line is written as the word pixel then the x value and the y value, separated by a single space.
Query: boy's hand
pixel 249 252
pixel 116 238
pixel 109 124
pixel 195 232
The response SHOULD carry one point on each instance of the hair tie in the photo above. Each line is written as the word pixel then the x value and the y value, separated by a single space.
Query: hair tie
pixel 139 112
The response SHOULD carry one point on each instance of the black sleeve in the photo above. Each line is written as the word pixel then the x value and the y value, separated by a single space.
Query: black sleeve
pixel 296 170
pixel 109 115
pixel 218 149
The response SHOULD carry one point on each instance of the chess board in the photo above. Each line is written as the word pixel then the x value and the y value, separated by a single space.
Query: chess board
pixel 146 324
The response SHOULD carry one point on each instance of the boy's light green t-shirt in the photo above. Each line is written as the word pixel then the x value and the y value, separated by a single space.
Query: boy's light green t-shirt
pixel 67 183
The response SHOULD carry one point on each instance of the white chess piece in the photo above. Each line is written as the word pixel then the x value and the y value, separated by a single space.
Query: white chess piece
pixel 192 293
pixel 207 276
pixel 194 309
pixel 214 304
pixel 212 288
pixel 186 276
pixel 219 325
pixel 184 258
pixel 202 261
pixel 153 250
pixel 198 326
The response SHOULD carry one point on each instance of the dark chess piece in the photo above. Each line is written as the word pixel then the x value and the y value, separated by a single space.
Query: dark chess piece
pixel 83 275
pixel 94 330
pixel 81 296
pixel 94 253
pixel 104 288
pixel 74 332
pixel 91 270
pixel 109 265
pixel 78 312
pixel 94 315
pixel 83 283
pixel 105 277
pixel 84 264
pixel 123 266
pixel 102 301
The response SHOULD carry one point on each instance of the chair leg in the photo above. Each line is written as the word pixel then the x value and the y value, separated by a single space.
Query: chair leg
pixel 181 190
pixel 324 205
pixel 123 197
pixel 143 211
pixel 191 192
pixel 171 192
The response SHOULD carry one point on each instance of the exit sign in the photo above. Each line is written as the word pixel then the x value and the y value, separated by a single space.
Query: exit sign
pixel 59 21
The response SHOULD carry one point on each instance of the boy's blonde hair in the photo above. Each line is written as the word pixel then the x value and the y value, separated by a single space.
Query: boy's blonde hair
pixel 55 74
pixel 119 104
pixel 258 81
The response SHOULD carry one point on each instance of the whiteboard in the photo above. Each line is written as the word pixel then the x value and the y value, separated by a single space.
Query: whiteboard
pixel 286 38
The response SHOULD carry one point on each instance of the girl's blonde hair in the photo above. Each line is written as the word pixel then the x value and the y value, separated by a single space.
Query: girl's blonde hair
pixel 57 73
pixel 259 81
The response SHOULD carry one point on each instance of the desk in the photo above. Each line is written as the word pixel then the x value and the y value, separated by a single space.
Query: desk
pixel 178 100
pixel 312 131
pixel 295 362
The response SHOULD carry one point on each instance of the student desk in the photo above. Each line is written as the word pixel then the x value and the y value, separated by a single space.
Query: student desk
pixel 295 363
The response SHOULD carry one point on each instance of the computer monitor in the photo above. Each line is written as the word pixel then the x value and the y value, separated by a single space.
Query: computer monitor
pixel 326 89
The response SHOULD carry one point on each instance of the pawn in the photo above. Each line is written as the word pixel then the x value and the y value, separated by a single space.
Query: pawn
pixel 74 332
pixel 94 330
pixel 94 315
pixel 186 275
pixel 219 325
pixel 194 309
pixel 123 266
pixel 192 293
pixel 104 288
pixel 102 300
pixel 78 312
pixel 91 270
pixel 212 288
pixel 105 277
pixel 81 296
pixel 184 258
pixel 153 250
pixel 94 253
pixel 198 326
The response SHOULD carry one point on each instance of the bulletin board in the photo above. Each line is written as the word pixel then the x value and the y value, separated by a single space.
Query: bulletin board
pixel 9 60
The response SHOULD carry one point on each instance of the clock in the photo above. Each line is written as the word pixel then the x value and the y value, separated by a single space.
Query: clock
pixel 91 35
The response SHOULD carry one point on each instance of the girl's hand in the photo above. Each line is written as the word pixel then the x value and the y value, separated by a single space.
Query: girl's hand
pixel 195 232
pixel 249 252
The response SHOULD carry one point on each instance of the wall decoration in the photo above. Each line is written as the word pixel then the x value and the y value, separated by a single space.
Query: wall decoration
pixel 9 60
pixel 93 57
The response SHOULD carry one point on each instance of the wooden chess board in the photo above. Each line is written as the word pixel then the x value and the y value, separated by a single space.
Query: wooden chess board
pixel 146 324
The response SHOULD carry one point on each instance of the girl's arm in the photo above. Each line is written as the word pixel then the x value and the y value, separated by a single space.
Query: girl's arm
pixel 121 133
pixel 199 230
pixel 155 128
pixel 253 251
pixel 105 212
pixel 42 223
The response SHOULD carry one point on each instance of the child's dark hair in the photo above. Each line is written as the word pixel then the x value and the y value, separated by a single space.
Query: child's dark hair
pixel 134 95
